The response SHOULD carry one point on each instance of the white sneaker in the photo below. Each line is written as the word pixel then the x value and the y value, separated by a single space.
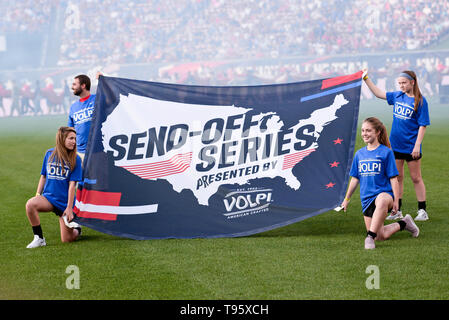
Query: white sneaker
pixel 71 224
pixel 37 242
pixel 422 215
pixel 396 216
pixel 411 226
pixel 369 243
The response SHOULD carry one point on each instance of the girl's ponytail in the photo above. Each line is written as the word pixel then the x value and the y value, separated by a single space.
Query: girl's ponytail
pixel 416 91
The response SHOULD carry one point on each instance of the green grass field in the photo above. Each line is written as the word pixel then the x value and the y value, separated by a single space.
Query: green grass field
pixel 319 258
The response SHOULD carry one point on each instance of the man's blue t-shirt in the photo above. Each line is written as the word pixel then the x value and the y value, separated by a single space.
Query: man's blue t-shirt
pixel 80 117
pixel 57 183
pixel 406 121
pixel 373 169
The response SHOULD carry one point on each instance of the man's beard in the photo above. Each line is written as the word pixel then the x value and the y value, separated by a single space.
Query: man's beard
pixel 77 92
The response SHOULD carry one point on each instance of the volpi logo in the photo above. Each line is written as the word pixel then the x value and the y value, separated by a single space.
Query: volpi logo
pixel 83 115
pixel 54 171
pixel 403 111
pixel 241 202
pixel 370 167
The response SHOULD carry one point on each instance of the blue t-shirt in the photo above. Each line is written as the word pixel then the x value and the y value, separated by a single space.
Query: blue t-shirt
pixel 406 121
pixel 373 169
pixel 80 117
pixel 57 183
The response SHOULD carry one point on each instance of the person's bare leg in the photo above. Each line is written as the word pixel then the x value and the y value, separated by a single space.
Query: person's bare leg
pixel 414 168
pixel 375 224
pixel 67 234
pixel 400 166
pixel 387 231
pixel 384 201
pixel 34 206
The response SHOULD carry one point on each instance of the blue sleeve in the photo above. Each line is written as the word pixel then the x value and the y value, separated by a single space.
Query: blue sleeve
pixel 354 172
pixel 44 165
pixel 70 121
pixel 390 98
pixel 390 165
pixel 423 114
pixel 77 174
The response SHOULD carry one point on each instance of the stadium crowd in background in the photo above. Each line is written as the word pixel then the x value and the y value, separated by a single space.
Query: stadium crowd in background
pixel 217 30
pixel 24 15
pixel 219 42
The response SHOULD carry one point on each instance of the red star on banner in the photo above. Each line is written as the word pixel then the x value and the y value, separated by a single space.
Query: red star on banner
pixel 334 164
pixel 330 185
pixel 338 141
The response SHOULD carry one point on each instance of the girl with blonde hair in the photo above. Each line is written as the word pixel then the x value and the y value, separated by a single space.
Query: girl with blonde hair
pixel 61 169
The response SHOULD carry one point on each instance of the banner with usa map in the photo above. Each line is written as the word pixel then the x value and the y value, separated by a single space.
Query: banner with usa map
pixel 178 161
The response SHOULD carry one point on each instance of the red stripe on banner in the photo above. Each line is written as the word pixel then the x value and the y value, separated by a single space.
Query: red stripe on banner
pixel 97 215
pixel 161 172
pixel 157 169
pixel 177 164
pixel 339 80
pixel 98 198
pixel 174 159
pixel 152 175
pixel 291 160
pixel 186 157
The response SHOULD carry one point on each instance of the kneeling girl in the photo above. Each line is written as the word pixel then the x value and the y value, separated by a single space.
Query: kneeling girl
pixel 374 168
pixel 61 169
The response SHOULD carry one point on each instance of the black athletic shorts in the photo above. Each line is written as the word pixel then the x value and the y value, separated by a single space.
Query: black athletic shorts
pixel 405 156
pixel 370 210
pixel 57 212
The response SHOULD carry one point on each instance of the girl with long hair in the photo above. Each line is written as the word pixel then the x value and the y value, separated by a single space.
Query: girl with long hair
pixel 410 119
pixel 61 169
pixel 374 168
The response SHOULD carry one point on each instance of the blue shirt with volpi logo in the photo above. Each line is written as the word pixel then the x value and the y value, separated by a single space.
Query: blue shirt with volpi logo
pixel 80 117
pixel 406 121
pixel 373 169
pixel 57 182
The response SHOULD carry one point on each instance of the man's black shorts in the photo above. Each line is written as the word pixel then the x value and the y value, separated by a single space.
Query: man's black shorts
pixel 405 156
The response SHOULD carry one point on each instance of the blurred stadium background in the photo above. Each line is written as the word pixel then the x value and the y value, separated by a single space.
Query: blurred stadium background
pixel 45 43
